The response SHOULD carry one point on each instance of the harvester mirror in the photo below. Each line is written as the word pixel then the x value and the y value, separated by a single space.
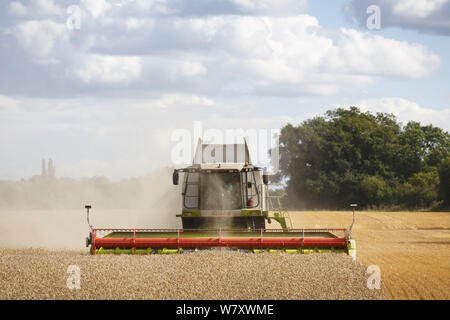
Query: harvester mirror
pixel 265 178
pixel 175 178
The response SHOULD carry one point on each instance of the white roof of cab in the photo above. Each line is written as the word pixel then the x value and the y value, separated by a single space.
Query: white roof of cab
pixel 221 153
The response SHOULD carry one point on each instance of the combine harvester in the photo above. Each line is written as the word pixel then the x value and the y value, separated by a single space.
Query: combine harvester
pixel 225 204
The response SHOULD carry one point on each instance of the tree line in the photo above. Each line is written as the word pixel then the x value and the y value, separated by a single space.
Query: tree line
pixel 349 156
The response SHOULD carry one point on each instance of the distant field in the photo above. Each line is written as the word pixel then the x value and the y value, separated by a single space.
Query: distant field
pixel 411 248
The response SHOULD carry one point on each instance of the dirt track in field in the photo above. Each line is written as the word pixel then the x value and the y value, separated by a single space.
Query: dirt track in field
pixel 412 249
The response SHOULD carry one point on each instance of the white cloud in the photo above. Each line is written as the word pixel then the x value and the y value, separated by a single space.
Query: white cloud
pixel 374 55
pixel 39 37
pixel 417 8
pixel 187 69
pixel 46 7
pixel 216 7
pixel 171 100
pixel 267 7
pixel 108 69
pixel 153 6
pixel 17 9
pixel 35 9
pixel 96 7
pixel 406 110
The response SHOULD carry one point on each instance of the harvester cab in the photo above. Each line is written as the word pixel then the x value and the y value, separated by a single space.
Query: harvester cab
pixel 223 189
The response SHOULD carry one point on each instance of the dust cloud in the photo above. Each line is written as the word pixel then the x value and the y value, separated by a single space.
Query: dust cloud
pixel 50 213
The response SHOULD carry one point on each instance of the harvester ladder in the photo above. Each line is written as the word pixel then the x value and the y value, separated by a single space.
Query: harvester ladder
pixel 275 206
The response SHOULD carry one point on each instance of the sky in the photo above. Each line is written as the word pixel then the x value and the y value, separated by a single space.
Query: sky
pixel 100 86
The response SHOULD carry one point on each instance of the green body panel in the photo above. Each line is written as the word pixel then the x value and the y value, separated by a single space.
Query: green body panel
pixel 137 251
pixel 281 221
pixel 174 251
pixel 300 250
pixel 253 213
pixel 244 213
pixel 191 213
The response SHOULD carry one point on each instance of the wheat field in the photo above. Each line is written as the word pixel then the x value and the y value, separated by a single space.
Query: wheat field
pixel 412 250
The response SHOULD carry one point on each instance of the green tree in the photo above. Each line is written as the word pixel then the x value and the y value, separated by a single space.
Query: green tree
pixel 352 156
pixel 420 148
pixel 376 191
pixel 421 190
